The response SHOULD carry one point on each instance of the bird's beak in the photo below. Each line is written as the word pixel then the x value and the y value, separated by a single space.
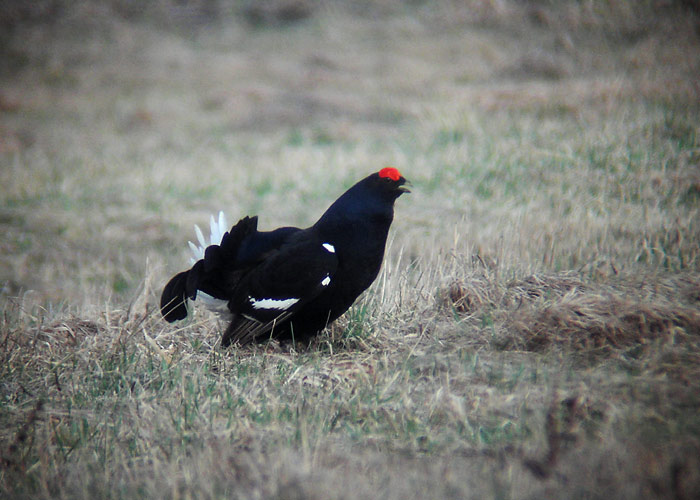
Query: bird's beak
pixel 405 187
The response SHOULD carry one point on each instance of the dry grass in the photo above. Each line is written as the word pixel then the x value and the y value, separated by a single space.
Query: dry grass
pixel 534 333
pixel 540 311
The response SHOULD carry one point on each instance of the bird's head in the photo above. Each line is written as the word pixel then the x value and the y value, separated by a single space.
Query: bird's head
pixel 389 182
pixel 372 198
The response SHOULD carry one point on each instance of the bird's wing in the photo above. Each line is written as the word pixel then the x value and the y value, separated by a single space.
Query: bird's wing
pixel 279 287
pixel 243 248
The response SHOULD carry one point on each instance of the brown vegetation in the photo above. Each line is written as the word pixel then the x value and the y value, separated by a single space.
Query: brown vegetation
pixel 535 330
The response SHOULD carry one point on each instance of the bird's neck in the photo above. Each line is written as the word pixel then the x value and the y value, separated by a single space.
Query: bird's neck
pixel 355 233
pixel 353 209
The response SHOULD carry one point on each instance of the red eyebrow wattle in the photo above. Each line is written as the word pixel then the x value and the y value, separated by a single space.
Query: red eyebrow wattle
pixel 391 173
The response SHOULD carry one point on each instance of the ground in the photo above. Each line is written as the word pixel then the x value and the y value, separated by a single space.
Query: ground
pixel 535 329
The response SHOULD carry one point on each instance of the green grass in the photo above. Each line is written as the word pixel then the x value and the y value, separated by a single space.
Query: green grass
pixel 534 332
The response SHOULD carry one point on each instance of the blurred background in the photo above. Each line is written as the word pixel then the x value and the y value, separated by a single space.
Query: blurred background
pixel 122 123
pixel 535 327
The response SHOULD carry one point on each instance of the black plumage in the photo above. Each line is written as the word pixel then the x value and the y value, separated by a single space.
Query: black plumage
pixel 291 283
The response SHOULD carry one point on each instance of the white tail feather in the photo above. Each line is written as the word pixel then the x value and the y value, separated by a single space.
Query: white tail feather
pixel 223 225
pixel 214 230
pixel 197 252
pixel 217 230
pixel 215 305
pixel 200 236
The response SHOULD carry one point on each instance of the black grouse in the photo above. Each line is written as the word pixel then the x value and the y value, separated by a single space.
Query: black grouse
pixel 290 283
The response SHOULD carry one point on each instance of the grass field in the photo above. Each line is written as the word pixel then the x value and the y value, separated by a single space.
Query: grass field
pixel 534 332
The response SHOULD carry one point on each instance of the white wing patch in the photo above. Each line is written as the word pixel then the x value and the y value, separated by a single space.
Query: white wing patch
pixel 217 230
pixel 329 247
pixel 325 281
pixel 277 304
